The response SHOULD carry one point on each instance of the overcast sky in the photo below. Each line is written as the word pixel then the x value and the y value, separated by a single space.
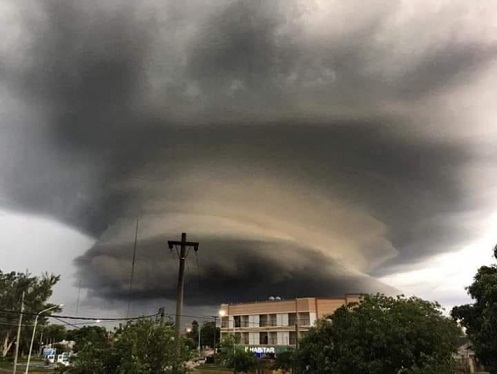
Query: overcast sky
pixel 311 147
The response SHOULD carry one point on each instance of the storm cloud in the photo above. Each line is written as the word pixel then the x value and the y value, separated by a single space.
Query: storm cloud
pixel 308 146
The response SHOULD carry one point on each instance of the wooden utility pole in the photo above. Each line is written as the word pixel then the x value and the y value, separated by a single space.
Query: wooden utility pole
pixel 182 255
pixel 18 338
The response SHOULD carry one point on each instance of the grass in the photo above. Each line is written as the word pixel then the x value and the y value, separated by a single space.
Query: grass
pixel 6 367
pixel 213 369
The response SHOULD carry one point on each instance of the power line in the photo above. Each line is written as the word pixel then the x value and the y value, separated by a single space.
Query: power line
pixel 205 318
pixel 105 318
pixel 80 318
pixel 67 323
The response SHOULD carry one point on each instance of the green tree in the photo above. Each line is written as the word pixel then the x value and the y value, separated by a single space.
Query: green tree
pixel 94 335
pixel 480 318
pixel 228 345
pixel 53 333
pixel 381 335
pixel 285 361
pixel 235 357
pixel 209 334
pixel 241 361
pixel 139 347
pixel 192 336
pixel 37 290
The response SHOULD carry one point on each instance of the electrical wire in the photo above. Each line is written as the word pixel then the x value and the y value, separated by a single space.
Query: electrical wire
pixel 104 319
pixel 79 318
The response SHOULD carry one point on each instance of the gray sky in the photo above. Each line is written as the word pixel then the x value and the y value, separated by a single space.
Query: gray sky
pixel 311 147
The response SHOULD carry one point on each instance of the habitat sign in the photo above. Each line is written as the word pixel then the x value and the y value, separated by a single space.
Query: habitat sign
pixel 260 349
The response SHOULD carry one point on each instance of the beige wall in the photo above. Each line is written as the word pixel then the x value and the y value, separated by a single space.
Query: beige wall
pixel 328 306
pixel 320 306
pixel 271 307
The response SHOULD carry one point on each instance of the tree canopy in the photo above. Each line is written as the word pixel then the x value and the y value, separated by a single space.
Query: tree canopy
pixel 138 347
pixel 381 335
pixel 209 334
pixel 480 318
pixel 235 357
pixel 37 290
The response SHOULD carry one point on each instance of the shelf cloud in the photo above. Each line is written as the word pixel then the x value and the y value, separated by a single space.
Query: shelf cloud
pixel 309 146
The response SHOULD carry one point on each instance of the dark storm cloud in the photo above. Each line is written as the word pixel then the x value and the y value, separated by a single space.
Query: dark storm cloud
pixel 237 111
pixel 440 69
pixel 223 270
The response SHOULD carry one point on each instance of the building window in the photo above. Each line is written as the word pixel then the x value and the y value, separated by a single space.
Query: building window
pixel 292 319
pixel 263 338
pixel 293 338
pixel 304 319
pixel 245 338
pixel 263 320
pixel 245 321
pixel 273 338
pixel 272 320
pixel 224 322
pixel 237 321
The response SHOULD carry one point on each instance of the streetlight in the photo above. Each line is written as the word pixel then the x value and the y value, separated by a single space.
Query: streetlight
pixel 198 339
pixel 188 330
pixel 34 331
pixel 222 313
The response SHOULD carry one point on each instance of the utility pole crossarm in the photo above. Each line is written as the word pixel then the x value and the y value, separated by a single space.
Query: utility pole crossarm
pixel 183 244
pixel 188 244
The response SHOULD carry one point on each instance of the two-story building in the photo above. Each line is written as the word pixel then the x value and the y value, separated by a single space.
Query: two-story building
pixel 274 325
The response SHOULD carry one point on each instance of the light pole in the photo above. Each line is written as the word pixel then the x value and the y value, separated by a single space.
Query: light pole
pixel 18 334
pixel 222 313
pixel 34 331
pixel 198 329
pixel 199 339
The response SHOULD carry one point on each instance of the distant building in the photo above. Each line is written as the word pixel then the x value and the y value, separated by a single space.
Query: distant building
pixel 273 326
pixel 466 357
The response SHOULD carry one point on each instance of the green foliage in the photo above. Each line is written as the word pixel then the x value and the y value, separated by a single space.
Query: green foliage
pixel 285 361
pixel 241 361
pixel 381 335
pixel 37 291
pixel 93 335
pixel 235 357
pixel 55 333
pixel 139 347
pixel 227 345
pixel 209 333
pixel 480 318
pixel 192 336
